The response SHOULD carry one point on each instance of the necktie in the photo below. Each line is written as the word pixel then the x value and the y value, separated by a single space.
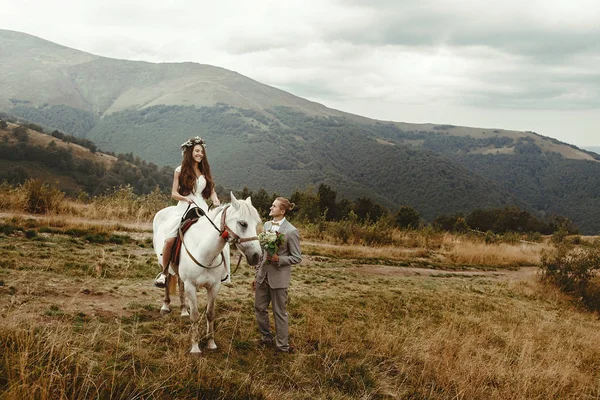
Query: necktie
pixel 274 223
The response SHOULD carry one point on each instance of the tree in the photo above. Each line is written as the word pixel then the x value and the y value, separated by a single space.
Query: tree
pixel 461 225
pixel 244 193
pixel 366 209
pixel 307 203
pixel 262 202
pixel 327 202
pixel 20 133
pixel 407 217
pixel 14 176
pixel 58 134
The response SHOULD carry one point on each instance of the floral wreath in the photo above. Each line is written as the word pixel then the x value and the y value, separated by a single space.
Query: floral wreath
pixel 191 143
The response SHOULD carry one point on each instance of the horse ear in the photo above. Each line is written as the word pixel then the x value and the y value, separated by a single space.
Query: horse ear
pixel 249 201
pixel 235 203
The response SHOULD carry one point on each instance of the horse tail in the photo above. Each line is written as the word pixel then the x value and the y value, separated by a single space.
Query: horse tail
pixel 173 284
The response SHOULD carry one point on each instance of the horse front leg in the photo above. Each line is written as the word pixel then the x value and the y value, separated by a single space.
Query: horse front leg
pixel 165 309
pixel 210 315
pixel 190 293
pixel 185 312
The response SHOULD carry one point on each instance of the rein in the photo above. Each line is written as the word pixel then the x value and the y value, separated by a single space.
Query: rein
pixel 194 259
pixel 225 232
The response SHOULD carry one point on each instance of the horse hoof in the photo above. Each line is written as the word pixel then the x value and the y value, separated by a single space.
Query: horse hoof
pixel 185 314
pixel 211 346
pixel 195 349
pixel 164 310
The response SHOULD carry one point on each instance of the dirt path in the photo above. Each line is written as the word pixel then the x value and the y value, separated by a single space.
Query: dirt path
pixel 134 226
pixel 521 273
pixel 366 269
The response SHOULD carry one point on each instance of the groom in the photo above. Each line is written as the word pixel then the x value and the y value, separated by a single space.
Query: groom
pixel 273 277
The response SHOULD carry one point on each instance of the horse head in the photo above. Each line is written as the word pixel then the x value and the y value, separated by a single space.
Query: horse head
pixel 242 221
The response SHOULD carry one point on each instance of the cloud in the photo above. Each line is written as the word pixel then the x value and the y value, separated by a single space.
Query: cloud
pixel 384 54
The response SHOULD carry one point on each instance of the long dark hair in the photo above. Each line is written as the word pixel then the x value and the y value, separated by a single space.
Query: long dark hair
pixel 187 176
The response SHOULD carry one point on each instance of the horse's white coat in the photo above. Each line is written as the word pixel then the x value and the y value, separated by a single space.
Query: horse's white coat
pixel 205 243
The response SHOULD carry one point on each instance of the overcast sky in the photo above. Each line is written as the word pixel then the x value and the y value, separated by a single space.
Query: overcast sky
pixel 515 64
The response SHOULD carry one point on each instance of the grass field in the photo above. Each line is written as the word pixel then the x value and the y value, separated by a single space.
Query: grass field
pixel 458 319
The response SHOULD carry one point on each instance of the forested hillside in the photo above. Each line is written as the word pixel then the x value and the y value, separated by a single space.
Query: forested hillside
pixel 71 164
pixel 262 137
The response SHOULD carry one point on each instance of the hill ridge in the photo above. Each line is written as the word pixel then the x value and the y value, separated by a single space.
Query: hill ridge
pixel 264 137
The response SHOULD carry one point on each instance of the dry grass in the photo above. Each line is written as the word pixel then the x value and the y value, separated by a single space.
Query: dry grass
pixel 121 205
pixel 80 320
pixel 503 254
pixel 445 251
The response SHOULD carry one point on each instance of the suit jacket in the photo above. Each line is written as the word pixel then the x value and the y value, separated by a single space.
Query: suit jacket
pixel 279 273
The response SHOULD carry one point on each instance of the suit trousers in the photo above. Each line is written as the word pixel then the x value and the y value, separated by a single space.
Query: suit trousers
pixel 278 298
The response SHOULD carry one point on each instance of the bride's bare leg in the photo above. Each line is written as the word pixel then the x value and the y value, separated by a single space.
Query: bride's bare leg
pixel 166 254
pixel 161 279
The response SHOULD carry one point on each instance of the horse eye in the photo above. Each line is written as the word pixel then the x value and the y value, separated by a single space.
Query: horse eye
pixel 243 224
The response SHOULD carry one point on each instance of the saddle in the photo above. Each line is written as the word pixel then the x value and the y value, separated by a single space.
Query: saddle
pixel 192 213
pixel 191 216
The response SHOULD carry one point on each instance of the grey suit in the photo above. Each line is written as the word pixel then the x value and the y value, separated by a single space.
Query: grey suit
pixel 272 281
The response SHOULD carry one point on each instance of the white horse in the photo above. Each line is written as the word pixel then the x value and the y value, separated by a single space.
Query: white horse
pixel 202 259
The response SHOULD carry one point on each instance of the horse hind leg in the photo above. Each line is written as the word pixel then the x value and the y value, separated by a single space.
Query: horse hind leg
pixel 190 292
pixel 210 317
pixel 184 306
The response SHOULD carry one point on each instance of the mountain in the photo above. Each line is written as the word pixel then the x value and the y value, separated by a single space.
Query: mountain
pixel 595 149
pixel 260 136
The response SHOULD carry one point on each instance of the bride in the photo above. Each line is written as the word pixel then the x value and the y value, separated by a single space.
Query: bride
pixel 192 184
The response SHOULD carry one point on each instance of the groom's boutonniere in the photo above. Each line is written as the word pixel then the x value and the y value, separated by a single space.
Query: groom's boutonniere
pixel 270 241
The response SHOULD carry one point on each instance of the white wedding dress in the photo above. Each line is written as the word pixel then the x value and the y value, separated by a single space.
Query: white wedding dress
pixel 171 225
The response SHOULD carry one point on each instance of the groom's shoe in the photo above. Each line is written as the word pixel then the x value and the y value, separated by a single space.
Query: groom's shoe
pixel 160 281
pixel 266 341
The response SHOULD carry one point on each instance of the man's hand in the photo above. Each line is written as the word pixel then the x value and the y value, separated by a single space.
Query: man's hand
pixel 273 258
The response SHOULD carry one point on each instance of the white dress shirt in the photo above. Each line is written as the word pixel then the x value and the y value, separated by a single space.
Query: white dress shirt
pixel 275 228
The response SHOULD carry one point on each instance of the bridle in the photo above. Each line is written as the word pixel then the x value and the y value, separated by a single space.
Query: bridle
pixel 226 233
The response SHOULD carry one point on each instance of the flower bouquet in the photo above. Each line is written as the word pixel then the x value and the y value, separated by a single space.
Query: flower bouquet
pixel 270 241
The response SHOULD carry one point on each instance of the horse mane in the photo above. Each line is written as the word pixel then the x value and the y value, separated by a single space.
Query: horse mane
pixel 245 210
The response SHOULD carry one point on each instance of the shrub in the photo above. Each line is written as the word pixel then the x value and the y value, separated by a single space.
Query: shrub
pixel 41 198
pixel 123 203
pixel 346 229
pixel 490 237
pixel 511 237
pixel 534 237
pixel 11 197
pixel 378 233
pixel 572 270
pixel 560 236
pixel 20 133
pixel 461 225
